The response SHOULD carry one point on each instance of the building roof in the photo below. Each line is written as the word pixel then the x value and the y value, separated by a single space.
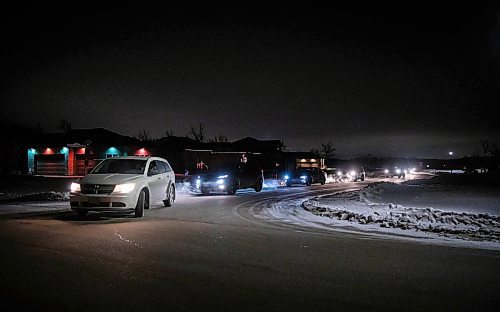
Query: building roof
pixel 96 136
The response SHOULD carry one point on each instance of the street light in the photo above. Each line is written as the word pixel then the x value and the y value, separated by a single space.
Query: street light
pixel 451 156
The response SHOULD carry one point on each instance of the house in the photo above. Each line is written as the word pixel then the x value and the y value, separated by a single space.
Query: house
pixel 75 152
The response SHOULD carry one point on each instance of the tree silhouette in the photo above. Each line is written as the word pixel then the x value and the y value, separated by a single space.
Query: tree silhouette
pixel 64 125
pixel 143 136
pixel 219 139
pixel 198 133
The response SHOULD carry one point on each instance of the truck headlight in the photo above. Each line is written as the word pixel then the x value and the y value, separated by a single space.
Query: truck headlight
pixel 124 188
pixel 75 187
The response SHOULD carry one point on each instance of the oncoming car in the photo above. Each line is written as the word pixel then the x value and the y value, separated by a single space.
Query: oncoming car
pixel 228 180
pixel 306 176
pixel 395 172
pixel 352 174
pixel 126 184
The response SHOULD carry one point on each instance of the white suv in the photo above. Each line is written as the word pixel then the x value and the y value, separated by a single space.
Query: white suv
pixel 129 183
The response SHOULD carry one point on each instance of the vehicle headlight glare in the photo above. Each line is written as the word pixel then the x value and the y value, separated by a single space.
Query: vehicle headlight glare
pixel 386 171
pixel 75 187
pixel 222 176
pixel 220 181
pixel 339 173
pixel 398 171
pixel 353 173
pixel 124 188
pixel 303 177
pixel 198 183
pixel 287 177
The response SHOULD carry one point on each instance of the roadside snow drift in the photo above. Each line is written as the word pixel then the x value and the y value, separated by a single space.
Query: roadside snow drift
pixel 416 207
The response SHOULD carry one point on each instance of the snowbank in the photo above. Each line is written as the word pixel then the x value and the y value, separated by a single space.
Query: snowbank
pixel 414 207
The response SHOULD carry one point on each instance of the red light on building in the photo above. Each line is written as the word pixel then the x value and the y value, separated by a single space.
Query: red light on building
pixel 81 151
pixel 48 151
pixel 142 152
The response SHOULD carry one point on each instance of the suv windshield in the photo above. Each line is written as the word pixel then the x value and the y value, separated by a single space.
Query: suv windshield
pixel 125 166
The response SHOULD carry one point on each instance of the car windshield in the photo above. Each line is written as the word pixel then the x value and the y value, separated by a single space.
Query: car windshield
pixel 302 172
pixel 124 166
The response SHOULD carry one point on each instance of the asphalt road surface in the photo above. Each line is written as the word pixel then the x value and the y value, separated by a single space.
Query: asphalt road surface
pixel 217 253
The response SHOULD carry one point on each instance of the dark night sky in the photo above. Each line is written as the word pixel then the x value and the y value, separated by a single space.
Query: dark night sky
pixel 414 80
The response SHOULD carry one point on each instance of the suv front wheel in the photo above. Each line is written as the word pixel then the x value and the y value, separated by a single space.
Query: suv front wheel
pixel 141 203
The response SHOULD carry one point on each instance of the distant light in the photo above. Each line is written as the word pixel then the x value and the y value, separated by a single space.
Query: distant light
pixel 450 153
pixel 64 150
pixel 48 151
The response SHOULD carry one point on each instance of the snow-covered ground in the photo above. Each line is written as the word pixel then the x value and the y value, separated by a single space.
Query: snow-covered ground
pixel 426 210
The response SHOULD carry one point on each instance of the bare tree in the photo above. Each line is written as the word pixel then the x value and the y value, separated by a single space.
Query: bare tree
pixel 169 133
pixel 327 150
pixel 485 145
pixel 487 149
pixel 143 136
pixel 282 146
pixel 64 125
pixel 198 133
pixel 219 139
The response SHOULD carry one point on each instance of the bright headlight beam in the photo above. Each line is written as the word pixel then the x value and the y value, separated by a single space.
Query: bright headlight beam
pixel 75 187
pixel 124 188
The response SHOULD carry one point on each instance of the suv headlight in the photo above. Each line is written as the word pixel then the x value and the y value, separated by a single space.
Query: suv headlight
pixel 124 188
pixel 75 187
